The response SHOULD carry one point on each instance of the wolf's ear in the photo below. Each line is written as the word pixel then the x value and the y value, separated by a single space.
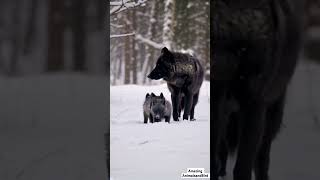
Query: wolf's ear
pixel 161 95
pixel 167 54
pixel 147 95
pixel 165 50
pixel 153 95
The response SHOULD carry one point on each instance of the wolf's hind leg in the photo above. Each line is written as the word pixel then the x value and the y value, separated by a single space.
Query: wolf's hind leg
pixel 195 101
pixel 273 122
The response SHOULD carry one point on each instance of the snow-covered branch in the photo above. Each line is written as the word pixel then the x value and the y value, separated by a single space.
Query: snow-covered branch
pixel 116 25
pixel 121 35
pixel 121 5
pixel 149 42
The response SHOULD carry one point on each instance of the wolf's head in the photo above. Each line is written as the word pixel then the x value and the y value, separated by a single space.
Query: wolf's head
pixel 164 66
pixel 158 107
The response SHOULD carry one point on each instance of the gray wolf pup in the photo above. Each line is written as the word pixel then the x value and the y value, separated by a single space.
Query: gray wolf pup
pixel 156 108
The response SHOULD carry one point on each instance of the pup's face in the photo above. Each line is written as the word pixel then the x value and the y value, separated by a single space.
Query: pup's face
pixel 158 107
pixel 163 67
pixel 158 112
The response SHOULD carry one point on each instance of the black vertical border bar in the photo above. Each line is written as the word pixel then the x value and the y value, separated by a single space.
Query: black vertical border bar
pixel 211 78
pixel 107 46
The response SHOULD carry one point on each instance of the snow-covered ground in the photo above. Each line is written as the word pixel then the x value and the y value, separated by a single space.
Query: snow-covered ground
pixel 52 127
pixel 156 151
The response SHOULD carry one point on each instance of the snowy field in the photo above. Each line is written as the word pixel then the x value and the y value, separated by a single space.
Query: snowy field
pixel 156 151
pixel 52 127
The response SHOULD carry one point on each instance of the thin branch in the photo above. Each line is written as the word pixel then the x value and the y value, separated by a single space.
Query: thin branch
pixel 116 25
pixel 124 5
pixel 122 35
pixel 149 42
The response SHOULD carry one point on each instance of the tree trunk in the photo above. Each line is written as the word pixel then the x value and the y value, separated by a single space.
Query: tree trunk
pixel 79 35
pixel 55 35
pixel 150 35
pixel 30 34
pixel 133 49
pixel 127 51
pixel 16 38
pixel 168 23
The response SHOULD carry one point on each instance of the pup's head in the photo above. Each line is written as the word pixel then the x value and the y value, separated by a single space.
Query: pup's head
pixel 164 66
pixel 158 107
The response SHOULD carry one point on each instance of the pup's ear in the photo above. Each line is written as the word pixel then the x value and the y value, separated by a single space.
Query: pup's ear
pixel 161 95
pixel 147 95
pixel 153 95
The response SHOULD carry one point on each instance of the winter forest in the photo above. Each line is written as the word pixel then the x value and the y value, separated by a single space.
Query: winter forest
pixel 53 35
pixel 139 29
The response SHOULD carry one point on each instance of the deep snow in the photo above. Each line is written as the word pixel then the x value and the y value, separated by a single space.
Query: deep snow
pixel 156 151
pixel 52 127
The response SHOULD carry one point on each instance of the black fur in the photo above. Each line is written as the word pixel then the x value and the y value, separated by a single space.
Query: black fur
pixel 184 76
pixel 255 50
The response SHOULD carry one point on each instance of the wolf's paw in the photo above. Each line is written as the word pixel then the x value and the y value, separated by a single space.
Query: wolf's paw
pixel 193 119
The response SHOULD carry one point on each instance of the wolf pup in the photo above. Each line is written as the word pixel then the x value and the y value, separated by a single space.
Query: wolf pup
pixel 160 108
pixel 156 108
pixel 184 75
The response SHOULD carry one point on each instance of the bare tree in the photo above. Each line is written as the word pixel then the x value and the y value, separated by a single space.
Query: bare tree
pixel 30 33
pixel 15 38
pixel 56 26
pixel 168 23
pixel 79 35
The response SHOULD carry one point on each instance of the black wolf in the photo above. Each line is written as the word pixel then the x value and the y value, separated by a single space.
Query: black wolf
pixel 255 47
pixel 156 108
pixel 184 76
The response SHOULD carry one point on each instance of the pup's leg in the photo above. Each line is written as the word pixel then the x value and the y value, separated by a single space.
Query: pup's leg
pixel 151 118
pixel 145 117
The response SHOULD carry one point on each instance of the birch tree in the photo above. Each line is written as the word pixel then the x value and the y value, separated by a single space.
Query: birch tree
pixel 168 23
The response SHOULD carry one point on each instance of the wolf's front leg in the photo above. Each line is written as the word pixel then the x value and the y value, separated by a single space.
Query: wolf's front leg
pixel 187 105
pixel 175 105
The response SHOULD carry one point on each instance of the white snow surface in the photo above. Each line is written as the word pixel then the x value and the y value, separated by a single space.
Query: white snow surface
pixel 160 150
pixel 52 127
